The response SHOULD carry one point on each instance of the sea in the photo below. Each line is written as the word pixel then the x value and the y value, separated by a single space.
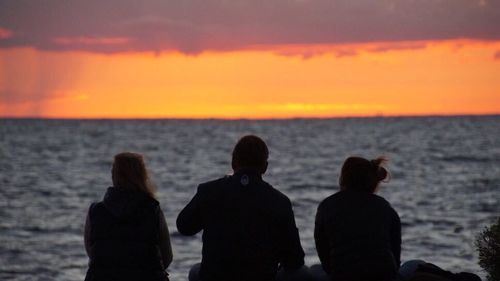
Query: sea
pixel 445 180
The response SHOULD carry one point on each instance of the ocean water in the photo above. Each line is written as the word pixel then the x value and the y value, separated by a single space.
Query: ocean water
pixel 445 180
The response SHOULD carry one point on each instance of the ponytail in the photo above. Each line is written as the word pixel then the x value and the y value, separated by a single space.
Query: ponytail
pixel 363 175
pixel 381 173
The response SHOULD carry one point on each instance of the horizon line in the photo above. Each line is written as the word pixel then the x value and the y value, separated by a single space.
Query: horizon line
pixel 251 118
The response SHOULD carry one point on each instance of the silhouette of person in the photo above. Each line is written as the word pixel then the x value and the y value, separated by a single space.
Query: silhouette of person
pixel 126 236
pixel 248 226
pixel 358 233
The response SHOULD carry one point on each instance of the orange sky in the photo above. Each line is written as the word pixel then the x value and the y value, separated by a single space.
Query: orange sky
pixel 404 78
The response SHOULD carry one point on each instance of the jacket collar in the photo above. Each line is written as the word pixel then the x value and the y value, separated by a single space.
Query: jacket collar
pixel 247 176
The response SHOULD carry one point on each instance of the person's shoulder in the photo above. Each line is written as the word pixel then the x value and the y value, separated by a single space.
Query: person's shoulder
pixel 153 203
pixel 96 205
pixel 96 208
pixel 380 200
pixel 331 199
pixel 216 182
pixel 275 194
pixel 213 183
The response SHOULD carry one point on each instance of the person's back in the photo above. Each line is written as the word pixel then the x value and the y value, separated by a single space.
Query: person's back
pixel 358 234
pixel 126 237
pixel 124 217
pixel 248 227
pixel 359 229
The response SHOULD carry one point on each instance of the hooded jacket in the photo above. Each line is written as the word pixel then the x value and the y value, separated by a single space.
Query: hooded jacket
pixel 123 236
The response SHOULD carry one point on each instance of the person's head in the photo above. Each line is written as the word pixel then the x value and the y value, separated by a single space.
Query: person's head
pixel 361 174
pixel 129 172
pixel 250 153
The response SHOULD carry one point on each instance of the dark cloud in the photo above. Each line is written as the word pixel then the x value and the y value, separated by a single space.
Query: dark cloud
pixel 308 51
pixel 193 26
pixel 381 48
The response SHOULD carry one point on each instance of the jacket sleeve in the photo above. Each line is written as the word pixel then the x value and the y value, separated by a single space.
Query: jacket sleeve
pixel 86 233
pixel 321 241
pixel 164 241
pixel 293 254
pixel 189 221
pixel 396 237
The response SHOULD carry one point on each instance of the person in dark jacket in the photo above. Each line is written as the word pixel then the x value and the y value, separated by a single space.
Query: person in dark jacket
pixel 357 233
pixel 126 236
pixel 248 226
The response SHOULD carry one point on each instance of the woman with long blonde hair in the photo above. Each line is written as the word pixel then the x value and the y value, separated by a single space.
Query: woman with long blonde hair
pixel 126 236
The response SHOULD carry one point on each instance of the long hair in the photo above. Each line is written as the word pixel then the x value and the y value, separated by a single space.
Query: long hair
pixel 129 172
pixel 362 174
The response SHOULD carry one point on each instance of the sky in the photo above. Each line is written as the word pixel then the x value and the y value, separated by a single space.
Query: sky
pixel 248 58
